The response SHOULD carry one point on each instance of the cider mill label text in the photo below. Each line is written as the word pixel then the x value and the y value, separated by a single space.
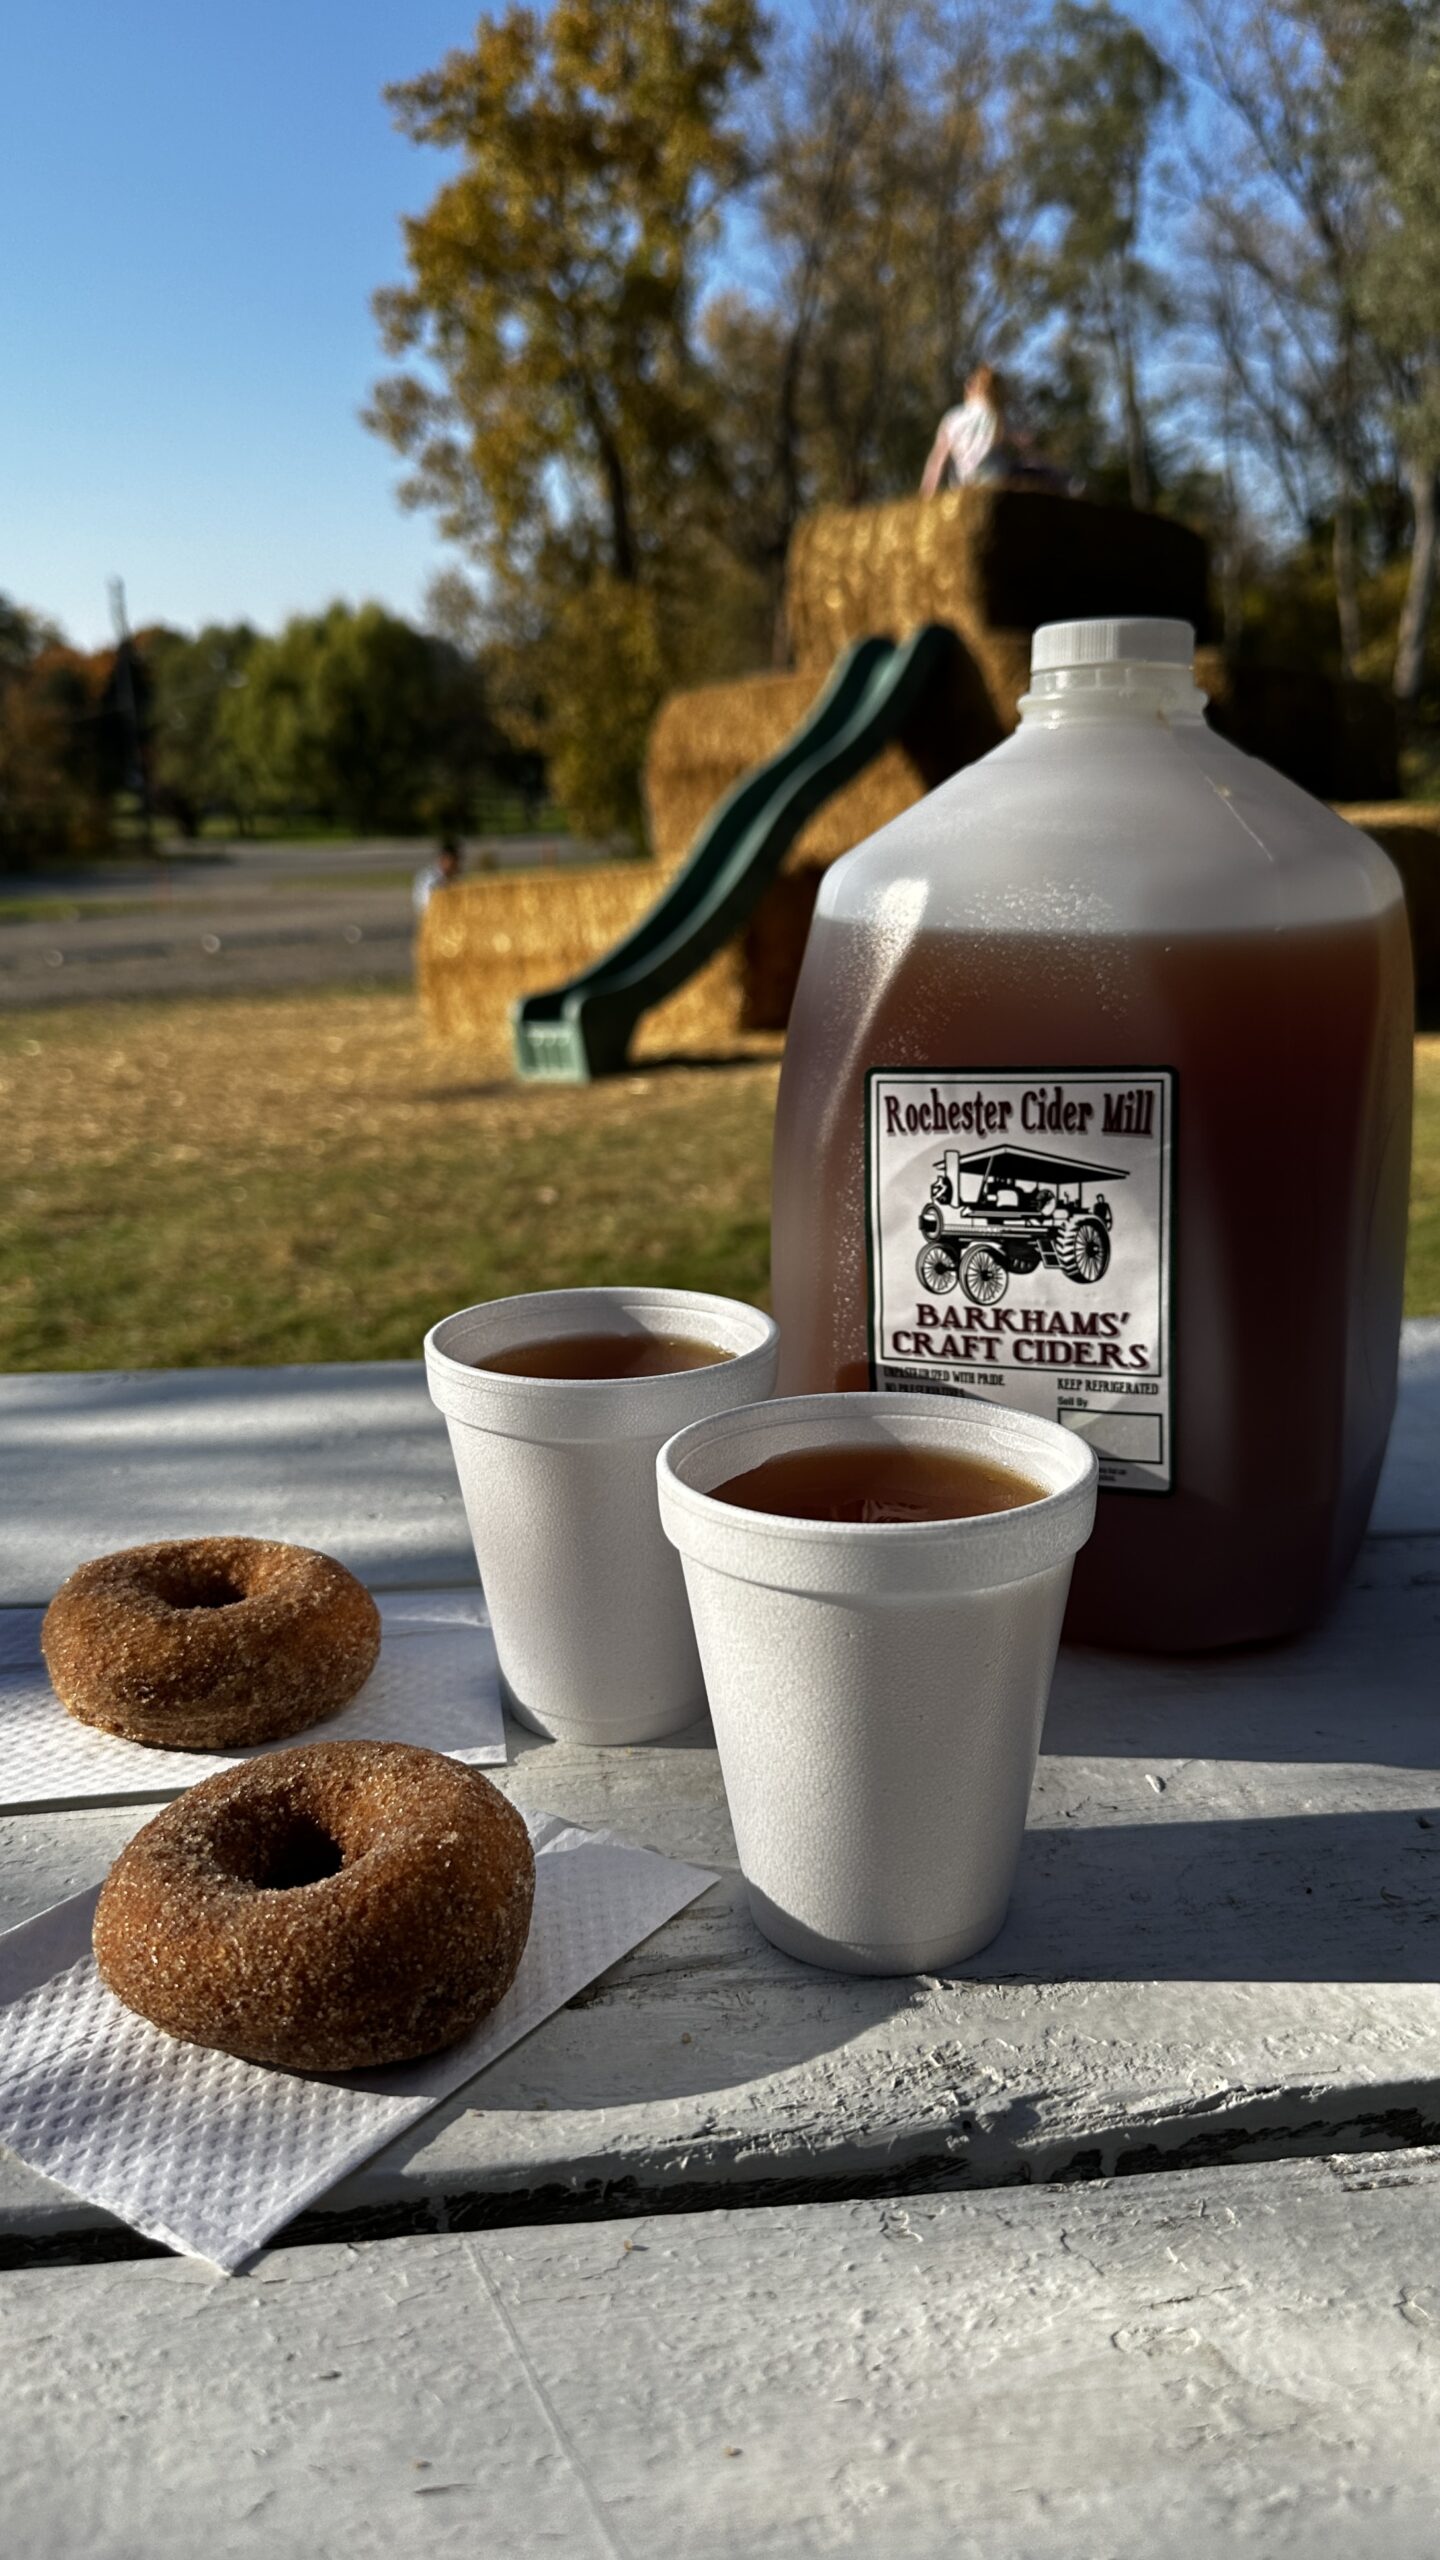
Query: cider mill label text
pixel 1019 1231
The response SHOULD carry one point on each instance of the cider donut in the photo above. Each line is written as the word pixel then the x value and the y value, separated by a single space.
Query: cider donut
pixel 322 1909
pixel 206 1644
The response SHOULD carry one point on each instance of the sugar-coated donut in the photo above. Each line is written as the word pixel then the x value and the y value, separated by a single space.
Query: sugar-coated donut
pixel 322 1909
pixel 206 1644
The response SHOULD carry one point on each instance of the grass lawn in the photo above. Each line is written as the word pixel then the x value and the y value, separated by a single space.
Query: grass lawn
pixel 303 1177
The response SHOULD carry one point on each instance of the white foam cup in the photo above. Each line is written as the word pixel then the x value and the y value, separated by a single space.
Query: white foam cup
pixel 586 1599
pixel 878 1688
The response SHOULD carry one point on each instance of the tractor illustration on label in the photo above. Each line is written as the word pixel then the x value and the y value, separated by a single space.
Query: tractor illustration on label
pixel 1010 1209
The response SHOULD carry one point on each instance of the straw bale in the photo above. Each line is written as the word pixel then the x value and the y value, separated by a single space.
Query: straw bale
pixel 485 942
pixel 1333 736
pixel 986 561
pixel 703 740
pixel 704 1018
pixel 1407 819
pixel 1410 833
pixel 989 563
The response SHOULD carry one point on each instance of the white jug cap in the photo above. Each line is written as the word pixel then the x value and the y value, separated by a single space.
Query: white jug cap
pixel 1096 644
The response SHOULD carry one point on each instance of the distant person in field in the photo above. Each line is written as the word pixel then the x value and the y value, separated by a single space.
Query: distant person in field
pixel 437 874
pixel 971 443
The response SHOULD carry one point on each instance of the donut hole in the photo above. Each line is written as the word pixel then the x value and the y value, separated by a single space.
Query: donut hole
pixel 298 1851
pixel 184 1585
pixel 274 1848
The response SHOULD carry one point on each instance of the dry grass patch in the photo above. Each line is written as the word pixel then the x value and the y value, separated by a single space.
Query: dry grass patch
pixel 304 1177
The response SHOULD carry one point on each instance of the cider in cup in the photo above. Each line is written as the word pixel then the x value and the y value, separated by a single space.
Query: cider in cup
pixel 878 1486
pixel 877 1668
pixel 1096 1102
pixel 556 1404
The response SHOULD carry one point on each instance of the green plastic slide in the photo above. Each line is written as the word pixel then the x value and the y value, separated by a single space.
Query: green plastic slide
pixel 582 1029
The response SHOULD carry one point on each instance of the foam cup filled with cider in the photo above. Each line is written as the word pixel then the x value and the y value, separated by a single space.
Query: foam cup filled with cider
pixel 877 1584
pixel 556 1404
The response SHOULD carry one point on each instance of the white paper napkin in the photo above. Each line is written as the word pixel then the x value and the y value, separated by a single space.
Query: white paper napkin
pixel 214 2156
pixel 400 1610
pixel 20 1639
pixel 436 1683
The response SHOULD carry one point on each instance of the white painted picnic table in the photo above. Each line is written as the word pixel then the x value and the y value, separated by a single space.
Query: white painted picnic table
pixel 1223 1952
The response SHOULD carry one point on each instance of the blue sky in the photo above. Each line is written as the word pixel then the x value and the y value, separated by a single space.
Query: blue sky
pixel 196 203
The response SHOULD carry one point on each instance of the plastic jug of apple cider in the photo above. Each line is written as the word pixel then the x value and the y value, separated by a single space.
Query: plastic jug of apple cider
pixel 1096 1101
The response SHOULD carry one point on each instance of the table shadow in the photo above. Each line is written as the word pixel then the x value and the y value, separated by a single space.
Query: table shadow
pixel 711 2005
pixel 1364 1689
pixel 1315 1897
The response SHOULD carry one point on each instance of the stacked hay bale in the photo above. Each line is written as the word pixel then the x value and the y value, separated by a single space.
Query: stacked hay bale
pixel 1337 739
pixel 972 560
pixel 1410 834
pixel 696 754
pixel 704 740
pixel 990 564
pixel 484 942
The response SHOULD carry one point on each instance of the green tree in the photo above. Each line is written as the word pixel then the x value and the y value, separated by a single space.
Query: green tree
pixel 553 407
pixel 352 714
pixel 887 221
pixel 39 801
pixel 1284 223
pixel 193 765
pixel 554 279
pixel 1090 92
pixel 65 752
pixel 1388 54
pixel 23 636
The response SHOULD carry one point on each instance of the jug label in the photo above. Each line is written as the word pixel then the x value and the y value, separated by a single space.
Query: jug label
pixel 1019 1234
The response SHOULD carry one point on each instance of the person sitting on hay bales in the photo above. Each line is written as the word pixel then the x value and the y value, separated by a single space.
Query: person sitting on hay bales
pixel 977 447
pixel 970 441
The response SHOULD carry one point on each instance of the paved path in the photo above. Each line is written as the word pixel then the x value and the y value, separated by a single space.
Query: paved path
pixel 247 918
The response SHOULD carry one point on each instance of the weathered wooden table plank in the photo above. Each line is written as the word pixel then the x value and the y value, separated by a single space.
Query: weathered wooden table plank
pixel 349 1455
pixel 1224 1938
pixel 354 1456
pixel 1409 1494
pixel 1224 1944
pixel 1232 2362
